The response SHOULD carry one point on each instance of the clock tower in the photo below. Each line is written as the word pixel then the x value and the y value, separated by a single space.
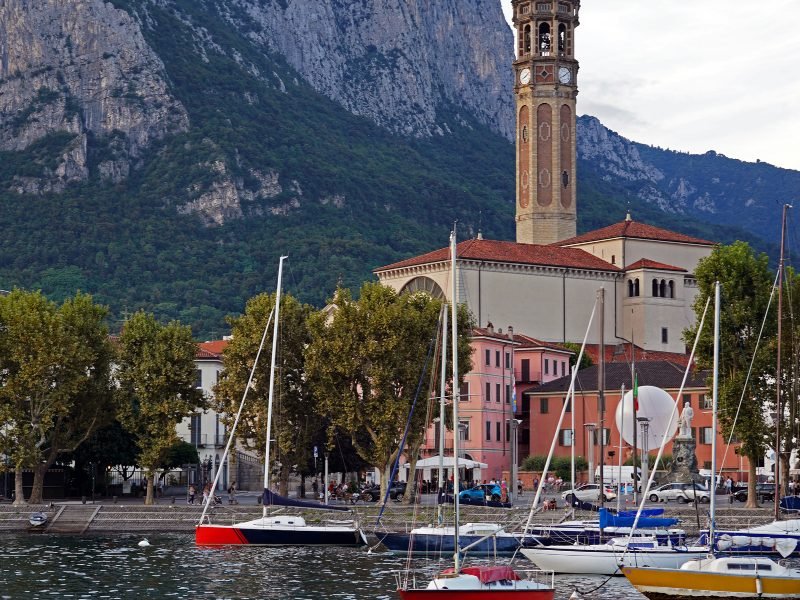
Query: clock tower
pixel 545 89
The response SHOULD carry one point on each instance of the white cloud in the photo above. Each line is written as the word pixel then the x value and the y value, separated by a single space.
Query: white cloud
pixel 694 76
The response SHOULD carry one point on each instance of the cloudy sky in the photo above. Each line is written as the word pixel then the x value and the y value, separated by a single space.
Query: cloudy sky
pixel 694 75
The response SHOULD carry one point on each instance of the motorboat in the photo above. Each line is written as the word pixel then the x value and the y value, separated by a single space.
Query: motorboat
pixel 726 577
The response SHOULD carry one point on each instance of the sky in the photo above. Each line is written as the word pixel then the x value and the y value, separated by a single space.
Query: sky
pixel 694 75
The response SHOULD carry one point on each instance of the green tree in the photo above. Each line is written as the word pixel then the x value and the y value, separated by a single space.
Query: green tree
pixel 54 380
pixel 365 363
pixel 295 420
pixel 108 447
pixel 156 380
pixel 746 285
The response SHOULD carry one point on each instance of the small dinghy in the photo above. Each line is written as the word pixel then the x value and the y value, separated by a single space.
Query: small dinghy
pixel 37 519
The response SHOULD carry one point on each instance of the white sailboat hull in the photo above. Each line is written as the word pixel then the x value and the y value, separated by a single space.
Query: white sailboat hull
pixel 608 560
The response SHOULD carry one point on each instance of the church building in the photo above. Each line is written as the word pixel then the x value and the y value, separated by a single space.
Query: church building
pixel 546 282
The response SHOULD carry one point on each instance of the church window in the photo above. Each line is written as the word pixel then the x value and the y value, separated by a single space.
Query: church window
pixel 423 284
pixel 655 288
pixel 562 39
pixel 613 259
pixel 671 286
pixel 544 39
pixel 664 335
pixel 630 288
pixel 636 287
pixel 662 289
pixel 526 37
pixel 564 177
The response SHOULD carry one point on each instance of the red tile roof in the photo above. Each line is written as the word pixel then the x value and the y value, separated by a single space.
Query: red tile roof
pixel 616 353
pixel 632 229
pixel 211 349
pixel 646 263
pixel 511 252
pixel 523 341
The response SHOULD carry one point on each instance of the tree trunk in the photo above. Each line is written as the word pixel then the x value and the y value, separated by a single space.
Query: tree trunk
pixel 752 499
pixel 283 488
pixel 784 473
pixel 37 489
pixel 384 474
pixel 149 499
pixel 408 496
pixel 19 493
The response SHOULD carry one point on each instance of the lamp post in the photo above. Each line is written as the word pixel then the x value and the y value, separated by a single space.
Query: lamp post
pixel 325 481
pixel 515 423
pixel 590 427
pixel 644 423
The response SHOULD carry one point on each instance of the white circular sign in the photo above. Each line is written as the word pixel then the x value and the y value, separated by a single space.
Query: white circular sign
pixel 654 404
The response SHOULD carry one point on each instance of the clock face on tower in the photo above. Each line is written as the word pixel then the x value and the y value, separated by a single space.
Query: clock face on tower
pixel 564 75
pixel 525 76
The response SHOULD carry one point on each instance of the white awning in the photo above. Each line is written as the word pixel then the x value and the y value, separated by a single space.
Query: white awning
pixel 433 462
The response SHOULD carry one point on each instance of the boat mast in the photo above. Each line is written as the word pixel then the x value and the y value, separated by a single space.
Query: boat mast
pixel 272 376
pixel 715 396
pixel 778 406
pixel 456 428
pixel 601 394
pixel 442 488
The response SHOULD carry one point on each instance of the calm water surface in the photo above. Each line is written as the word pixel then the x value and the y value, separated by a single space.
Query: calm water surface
pixel 43 566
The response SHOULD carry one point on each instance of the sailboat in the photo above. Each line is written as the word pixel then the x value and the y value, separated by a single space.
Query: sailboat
pixel 730 577
pixel 275 530
pixel 478 582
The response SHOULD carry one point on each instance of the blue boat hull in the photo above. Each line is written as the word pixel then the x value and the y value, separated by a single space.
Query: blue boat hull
pixel 443 544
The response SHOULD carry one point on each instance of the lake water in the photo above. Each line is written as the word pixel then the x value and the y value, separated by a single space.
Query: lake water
pixel 45 566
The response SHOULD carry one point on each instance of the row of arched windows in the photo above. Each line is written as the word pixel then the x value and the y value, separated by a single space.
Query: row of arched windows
pixel 661 288
pixel 544 40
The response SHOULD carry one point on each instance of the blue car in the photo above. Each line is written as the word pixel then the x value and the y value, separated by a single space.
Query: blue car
pixel 481 493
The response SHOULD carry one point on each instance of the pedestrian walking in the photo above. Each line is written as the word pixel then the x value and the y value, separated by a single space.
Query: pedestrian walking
pixel 192 494
pixel 232 493
pixel 519 487
pixel 206 492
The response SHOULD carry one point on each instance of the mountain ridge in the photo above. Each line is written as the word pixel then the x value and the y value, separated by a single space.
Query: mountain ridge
pixel 247 159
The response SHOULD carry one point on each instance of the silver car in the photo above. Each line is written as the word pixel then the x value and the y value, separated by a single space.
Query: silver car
pixel 588 492
pixel 680 492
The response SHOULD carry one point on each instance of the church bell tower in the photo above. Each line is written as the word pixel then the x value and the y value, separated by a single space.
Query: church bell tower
pixel 545 88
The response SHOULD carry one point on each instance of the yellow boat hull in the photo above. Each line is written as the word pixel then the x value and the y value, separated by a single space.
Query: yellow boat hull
pixel 671 583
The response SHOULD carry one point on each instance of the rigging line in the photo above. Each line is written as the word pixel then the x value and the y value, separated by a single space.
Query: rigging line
pixel 408 425
pixel 238 416
pixel 749 372
pixel 571 391
pixel 664 439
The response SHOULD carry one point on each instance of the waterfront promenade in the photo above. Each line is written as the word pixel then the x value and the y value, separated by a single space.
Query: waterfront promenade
pixel 131 515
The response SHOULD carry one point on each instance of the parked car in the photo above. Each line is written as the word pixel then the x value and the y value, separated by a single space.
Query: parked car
pixel 589 492
pixel 371 493
pixel 481 493
pixel 396 490
pixel 765 492
pixel 680 492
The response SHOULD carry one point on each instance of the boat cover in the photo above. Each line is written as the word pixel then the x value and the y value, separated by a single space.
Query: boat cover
pixel 647 512
pixel 271 499
pixel 609 520
pixel 790 503
pixel 488 574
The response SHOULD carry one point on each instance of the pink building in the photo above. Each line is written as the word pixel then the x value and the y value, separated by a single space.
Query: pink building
pixel 487 399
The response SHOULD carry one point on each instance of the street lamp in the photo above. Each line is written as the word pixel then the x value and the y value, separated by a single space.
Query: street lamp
pixel 644 423
pixel 515 423
pixel 590 427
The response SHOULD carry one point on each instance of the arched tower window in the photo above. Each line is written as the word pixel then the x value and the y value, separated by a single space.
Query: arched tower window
pixel 562 39
pixel 630 288
pixel 662 288
pixel 423 284
pixel 636 287
pixel 526 39
pixel 671 288
pixel 544 39
pixel 655 288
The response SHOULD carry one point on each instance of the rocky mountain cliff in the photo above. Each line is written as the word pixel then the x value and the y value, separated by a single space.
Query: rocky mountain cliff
pixel 81 67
